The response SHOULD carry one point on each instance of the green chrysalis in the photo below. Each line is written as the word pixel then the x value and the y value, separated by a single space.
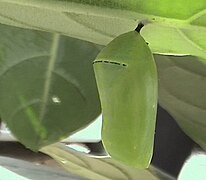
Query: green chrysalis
pixel 126 77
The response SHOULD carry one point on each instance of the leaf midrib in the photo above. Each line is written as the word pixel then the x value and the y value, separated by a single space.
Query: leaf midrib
pixel 51 65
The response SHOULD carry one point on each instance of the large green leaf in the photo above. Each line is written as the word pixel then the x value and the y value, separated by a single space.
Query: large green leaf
pixel 47 85
pixel 102 169
pixel 182 92
pixel 174 27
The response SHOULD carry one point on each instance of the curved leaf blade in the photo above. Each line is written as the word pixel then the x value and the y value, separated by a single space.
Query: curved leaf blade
pixel 180 25
pixel 94 168
pixel 47 85
pixel 182 84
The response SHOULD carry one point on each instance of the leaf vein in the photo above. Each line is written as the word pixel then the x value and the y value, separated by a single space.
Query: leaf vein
pixel 73 83
pixel 73 17
pixel 190 41
pixel 51 65
pixel 185 102
pixel 10 67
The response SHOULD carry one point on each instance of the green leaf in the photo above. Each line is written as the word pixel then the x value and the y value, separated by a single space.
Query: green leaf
pixel 47 85
pixel 94 168
pixel 173 27
pixel 182 92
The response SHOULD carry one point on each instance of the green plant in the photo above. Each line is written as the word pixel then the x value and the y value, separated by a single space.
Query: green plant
pixel 47 84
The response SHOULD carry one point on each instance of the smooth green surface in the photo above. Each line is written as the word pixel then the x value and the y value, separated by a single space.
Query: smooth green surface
pixel 126 77
pixel 47 85
pixel 174 27
pixel 182 92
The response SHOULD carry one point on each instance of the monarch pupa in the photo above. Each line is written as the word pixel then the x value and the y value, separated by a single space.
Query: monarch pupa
pixel 126 78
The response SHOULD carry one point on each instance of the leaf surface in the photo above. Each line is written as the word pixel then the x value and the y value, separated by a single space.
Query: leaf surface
pixel 94 168
pixel 182 92
pixel 173 27
pixel 47 85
